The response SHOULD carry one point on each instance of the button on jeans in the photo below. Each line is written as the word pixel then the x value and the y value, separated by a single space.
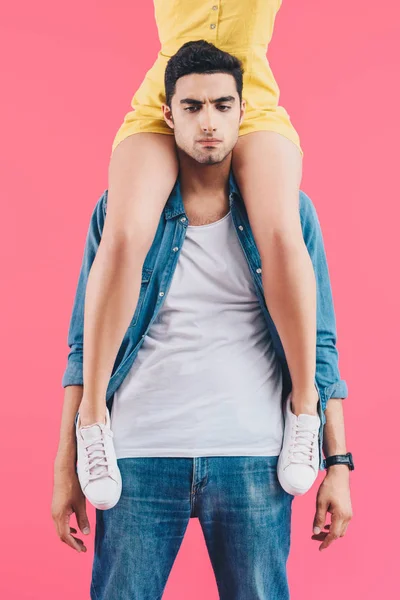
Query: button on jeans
pixel 244 513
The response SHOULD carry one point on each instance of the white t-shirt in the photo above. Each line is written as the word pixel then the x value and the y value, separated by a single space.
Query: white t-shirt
pixel 206 380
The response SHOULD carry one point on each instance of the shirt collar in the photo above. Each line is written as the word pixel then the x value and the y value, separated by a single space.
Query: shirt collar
pixel 174 205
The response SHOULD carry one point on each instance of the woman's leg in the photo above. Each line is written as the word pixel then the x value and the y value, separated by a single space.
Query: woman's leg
pixel 268 168
pixel 135 202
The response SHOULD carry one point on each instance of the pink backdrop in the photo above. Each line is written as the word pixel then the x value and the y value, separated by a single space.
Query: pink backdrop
pixel 68 74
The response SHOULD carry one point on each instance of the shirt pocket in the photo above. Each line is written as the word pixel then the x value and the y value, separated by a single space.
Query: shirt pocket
pixel 144 286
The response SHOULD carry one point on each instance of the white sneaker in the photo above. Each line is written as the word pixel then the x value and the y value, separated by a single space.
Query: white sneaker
pixel 97 467
pixel 298 462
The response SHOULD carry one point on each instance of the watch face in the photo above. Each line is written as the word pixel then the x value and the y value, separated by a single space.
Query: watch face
pixel 349 454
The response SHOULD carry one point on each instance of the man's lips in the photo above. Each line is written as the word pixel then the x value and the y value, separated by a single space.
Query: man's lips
pixel 210 142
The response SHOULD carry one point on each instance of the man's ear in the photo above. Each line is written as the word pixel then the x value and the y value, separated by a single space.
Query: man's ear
pixel 242 111
pixel 167 114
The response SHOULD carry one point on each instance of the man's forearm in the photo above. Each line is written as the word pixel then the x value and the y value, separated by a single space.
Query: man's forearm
pixel 66 453
pixel 334 431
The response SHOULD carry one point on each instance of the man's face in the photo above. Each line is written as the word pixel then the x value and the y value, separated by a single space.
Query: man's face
pixel 205 107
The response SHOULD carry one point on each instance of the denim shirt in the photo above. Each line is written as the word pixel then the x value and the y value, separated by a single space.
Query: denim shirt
pixel 157 273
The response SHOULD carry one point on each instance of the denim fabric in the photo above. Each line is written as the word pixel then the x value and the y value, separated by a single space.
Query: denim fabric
pixel 244 513
pixel 157 274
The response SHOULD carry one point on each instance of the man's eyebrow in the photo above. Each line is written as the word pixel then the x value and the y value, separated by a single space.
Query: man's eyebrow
pixel 217 100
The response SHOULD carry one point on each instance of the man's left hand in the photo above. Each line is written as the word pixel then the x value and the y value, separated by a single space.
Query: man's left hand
pixel 333 497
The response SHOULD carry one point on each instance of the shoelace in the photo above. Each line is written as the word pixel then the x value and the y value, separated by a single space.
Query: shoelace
pixel 97 462
pixel 303 446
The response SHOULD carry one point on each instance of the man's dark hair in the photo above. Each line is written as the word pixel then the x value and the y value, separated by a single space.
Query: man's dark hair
pixel 201 57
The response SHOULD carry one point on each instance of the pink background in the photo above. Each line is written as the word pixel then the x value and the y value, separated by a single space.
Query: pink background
pixel 68 73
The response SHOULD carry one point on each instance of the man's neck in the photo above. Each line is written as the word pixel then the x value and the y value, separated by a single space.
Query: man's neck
pixel 204 189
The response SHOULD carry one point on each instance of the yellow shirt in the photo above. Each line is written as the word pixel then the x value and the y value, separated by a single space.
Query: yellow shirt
pixel 243 28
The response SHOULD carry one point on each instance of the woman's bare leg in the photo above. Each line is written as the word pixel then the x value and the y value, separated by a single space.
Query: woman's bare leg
pixel 136 199
pixel 268 169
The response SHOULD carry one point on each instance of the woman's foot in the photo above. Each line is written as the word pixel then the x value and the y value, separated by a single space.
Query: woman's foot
pixel 97 468
pixel 298 462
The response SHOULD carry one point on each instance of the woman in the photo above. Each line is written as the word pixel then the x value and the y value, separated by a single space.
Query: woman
pixel 267 164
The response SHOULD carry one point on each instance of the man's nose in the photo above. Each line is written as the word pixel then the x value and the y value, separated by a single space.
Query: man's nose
pixel 208 123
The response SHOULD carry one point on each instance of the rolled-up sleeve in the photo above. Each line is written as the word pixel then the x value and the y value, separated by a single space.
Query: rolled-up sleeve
pixel 328 377
pixel 73 374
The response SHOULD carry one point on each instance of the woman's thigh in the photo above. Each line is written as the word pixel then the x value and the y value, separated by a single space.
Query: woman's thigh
pixel 268 169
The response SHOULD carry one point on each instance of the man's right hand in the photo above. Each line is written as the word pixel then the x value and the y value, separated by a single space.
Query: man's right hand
pixel 68 498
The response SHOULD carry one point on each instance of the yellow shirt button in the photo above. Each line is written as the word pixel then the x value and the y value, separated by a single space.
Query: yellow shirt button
pixel 212 26
pixel 215 7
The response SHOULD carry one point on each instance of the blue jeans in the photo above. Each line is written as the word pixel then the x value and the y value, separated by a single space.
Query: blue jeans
pixel 244 513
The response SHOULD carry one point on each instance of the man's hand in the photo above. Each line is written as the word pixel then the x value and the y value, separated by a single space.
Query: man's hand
pixel 68 498
pixel 334 497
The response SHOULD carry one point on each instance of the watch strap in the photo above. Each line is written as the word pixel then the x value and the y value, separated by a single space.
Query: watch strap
pixel 339 459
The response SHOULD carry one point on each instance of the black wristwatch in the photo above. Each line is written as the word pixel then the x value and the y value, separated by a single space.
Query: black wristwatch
pixel 340 459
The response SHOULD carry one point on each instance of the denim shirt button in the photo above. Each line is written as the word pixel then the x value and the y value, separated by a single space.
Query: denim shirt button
pixel 175 249
pixel 161 294
pixel 183 219
pixel 241 227
pixel 259 270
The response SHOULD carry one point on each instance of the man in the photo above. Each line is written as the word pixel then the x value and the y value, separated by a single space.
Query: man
pixel 197 387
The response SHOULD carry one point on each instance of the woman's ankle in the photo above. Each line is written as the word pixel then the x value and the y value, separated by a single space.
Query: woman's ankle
pixel 304 402
pixel 88 414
